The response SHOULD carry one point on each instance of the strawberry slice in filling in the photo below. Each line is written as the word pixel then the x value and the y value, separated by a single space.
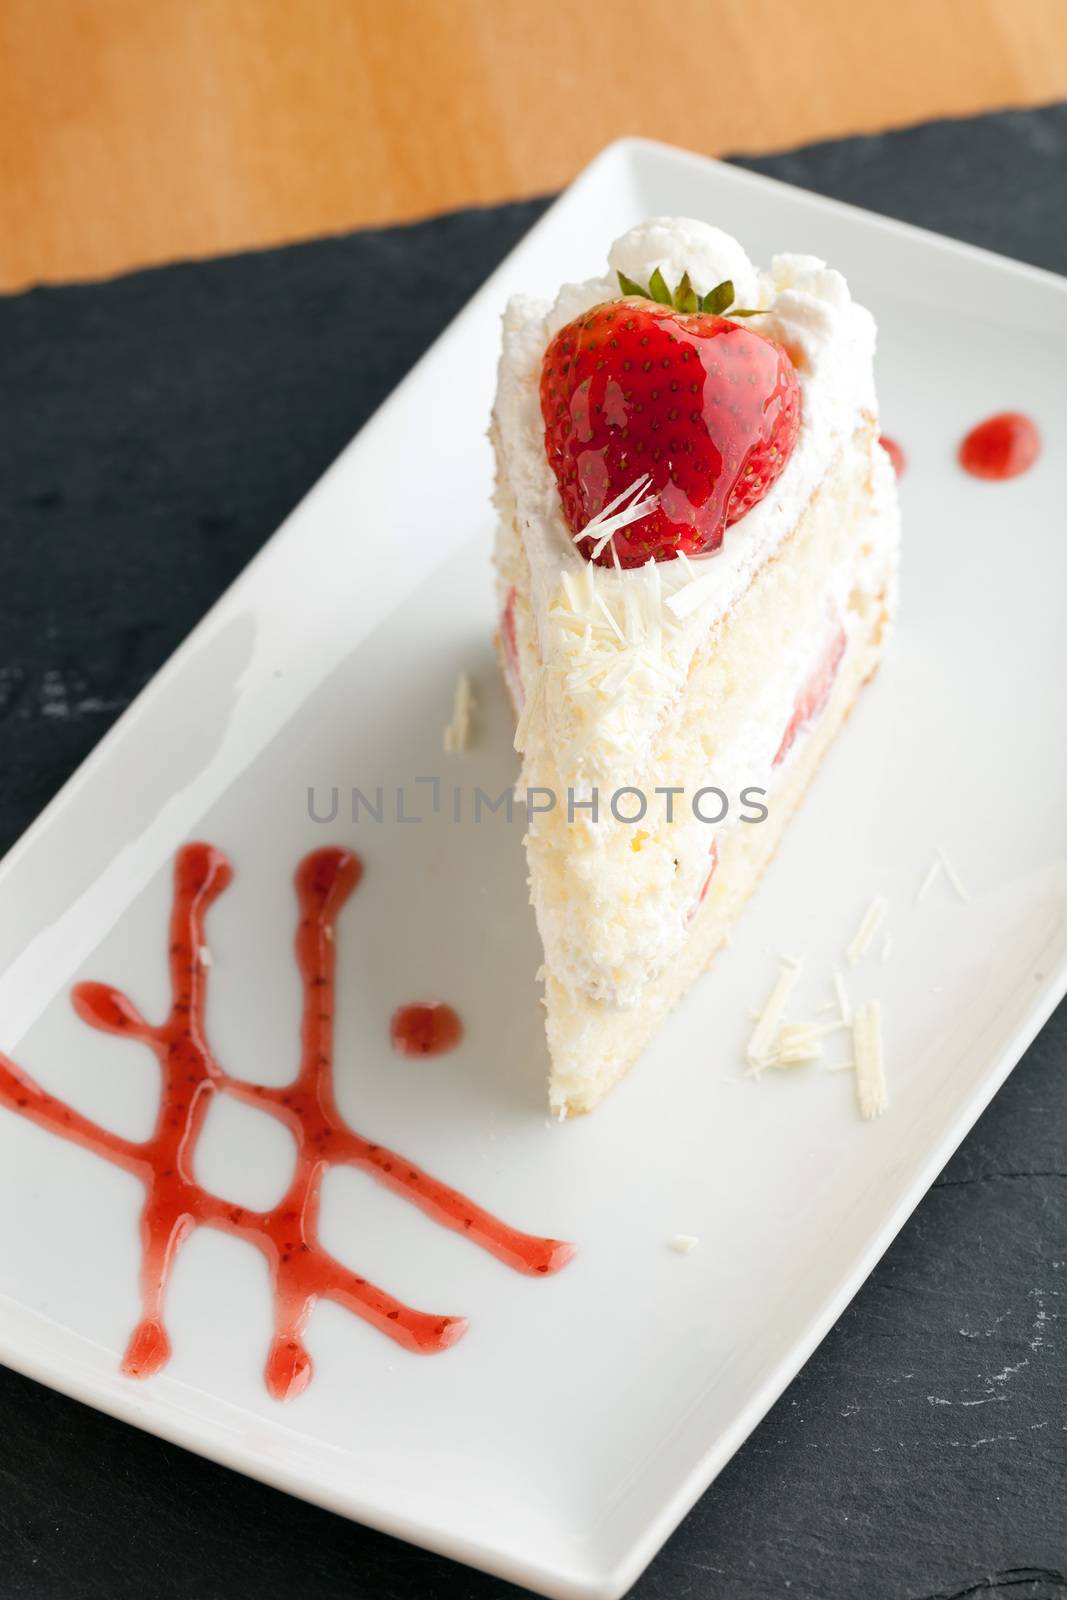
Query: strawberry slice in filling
pixel 511 649
pixel 699 901
pixel 815 691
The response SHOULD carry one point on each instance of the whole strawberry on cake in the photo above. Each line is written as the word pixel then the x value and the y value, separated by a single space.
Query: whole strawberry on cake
pixel 696 557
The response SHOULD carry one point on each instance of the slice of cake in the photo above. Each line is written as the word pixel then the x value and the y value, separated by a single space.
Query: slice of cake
pixel 697 559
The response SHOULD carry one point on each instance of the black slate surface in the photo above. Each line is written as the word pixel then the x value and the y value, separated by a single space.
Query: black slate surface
pixel 153 432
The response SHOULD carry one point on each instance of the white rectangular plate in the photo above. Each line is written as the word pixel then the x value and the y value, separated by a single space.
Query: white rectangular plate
pixel 560 1442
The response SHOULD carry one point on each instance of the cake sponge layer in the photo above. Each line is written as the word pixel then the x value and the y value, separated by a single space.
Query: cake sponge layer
pixel 626 913
pixel 592 1044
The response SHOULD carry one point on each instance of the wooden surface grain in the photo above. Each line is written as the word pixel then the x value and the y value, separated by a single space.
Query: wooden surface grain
pixel 135 132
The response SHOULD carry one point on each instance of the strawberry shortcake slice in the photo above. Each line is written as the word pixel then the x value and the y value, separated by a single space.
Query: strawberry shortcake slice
pixel 696 558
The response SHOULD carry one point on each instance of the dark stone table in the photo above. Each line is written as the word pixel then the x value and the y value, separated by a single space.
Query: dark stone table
pixel 153 432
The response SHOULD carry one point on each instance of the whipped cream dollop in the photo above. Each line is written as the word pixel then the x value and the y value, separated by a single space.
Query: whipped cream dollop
pixel 600 629
pixel 677 245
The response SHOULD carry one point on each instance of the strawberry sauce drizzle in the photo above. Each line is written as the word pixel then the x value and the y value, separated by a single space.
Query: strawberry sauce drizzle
pixel 175 1204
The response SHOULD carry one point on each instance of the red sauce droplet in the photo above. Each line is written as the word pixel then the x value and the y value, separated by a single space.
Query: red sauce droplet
pixel 1001 447
pixel 301 1271
pixel 895 454
pixel 425 1028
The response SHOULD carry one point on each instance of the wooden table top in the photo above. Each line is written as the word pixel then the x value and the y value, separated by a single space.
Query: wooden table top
pixel 133 133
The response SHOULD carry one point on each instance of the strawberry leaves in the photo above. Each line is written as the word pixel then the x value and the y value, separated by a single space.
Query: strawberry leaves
pixel 657 289
pixel 685 296
pixel 628 286
pixel 719 302
pixel 720 299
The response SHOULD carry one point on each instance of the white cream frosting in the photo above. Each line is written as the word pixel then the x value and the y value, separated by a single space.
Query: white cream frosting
pixel 602 630
pixel 616 646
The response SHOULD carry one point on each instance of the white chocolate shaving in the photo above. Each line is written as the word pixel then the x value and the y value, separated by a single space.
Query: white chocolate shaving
pixel 798 1043
pixel 928 882
pixel 609 648
pixel 457 732
pixel 844 1004
pixel 866 931
pixel 684 1242
pixel 952 875
pixel 610 520
pixel 761 1046
pixel 870 1070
